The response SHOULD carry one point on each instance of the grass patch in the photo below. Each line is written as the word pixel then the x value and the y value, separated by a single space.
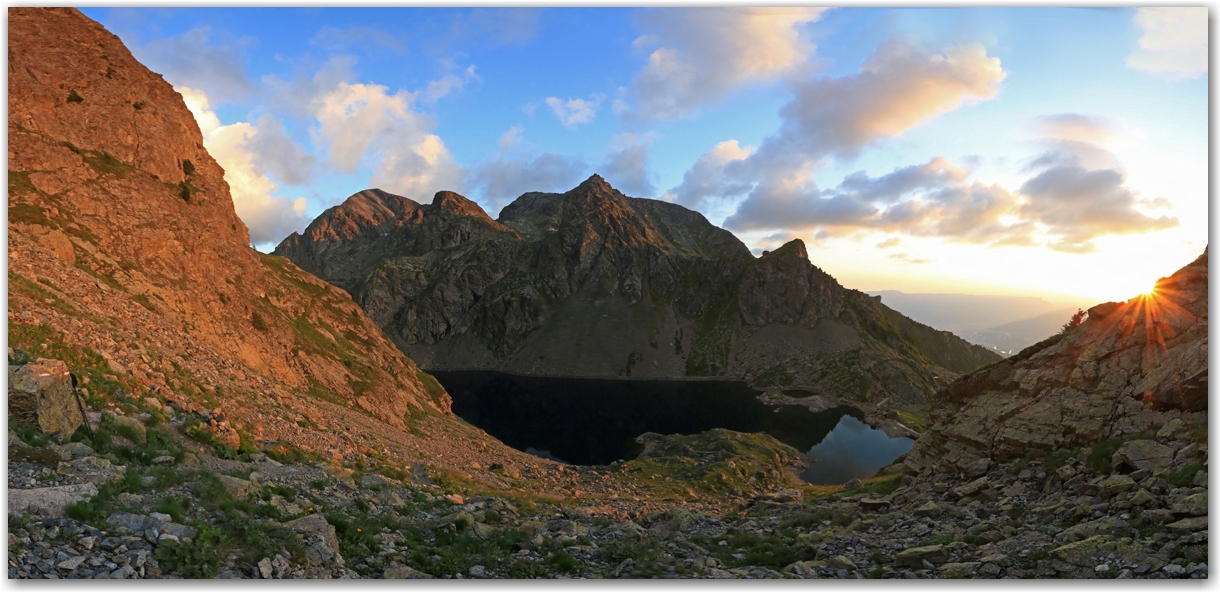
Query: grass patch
pixel 1184 475
pixel 45 341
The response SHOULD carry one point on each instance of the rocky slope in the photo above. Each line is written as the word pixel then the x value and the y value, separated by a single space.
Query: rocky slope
pixel 127 262
pixel 594 283
pixel 107 173
pixel 1129 367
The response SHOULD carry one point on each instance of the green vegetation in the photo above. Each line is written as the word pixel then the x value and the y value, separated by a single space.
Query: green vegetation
pixel 1102 451
pixel 74 97
pixel 1184 475
pixel 81 360
pixel 186 190
pixel 257 321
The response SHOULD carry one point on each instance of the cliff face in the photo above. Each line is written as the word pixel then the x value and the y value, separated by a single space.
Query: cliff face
pixel 594 283
pixel 122 231
pixel 1129 367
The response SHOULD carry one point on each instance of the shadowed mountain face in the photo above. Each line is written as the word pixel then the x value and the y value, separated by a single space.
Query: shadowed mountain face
pixel 592 283
pixel 1129 367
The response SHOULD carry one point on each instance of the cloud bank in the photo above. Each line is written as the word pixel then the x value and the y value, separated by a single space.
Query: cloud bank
pixel 702 55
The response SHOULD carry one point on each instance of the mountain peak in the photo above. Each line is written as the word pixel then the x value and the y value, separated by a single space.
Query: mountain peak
pixel 596 187
pixel 454 203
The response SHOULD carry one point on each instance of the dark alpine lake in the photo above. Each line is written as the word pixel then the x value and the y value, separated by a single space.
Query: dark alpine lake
pixel 595 421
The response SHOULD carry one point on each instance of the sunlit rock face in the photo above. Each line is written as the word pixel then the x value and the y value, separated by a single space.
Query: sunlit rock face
pixel 1130 366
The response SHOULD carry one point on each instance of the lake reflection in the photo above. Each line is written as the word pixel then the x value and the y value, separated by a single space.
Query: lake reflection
pixel 596 421
pixel 852 449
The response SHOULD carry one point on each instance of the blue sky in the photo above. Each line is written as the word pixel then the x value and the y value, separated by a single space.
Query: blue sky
pixel 1035 151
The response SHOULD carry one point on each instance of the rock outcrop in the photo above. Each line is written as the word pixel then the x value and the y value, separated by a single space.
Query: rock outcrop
pixel 41 393
pixel 592 283
pixel 1128 368
pixel 110 183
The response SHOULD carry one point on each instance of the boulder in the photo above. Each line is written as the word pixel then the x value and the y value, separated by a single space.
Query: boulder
pixel 959 571
pixel 1116 484
pixel 1085 553
pixel 399 571
pixel 929 510
pixel 1170 428
pixel 132 424
pixel 1142 454
pixel 41 393
pixel 316 525
pixel 73 450
pixel 1188 525
pixel 49 501
pixel 238 488
pixel 915 556
pixel 1116 527
pixel 94 469
pixel 852 485
pixel 1192 505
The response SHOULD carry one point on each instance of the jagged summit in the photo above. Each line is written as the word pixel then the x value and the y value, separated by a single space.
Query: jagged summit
pixel 591 282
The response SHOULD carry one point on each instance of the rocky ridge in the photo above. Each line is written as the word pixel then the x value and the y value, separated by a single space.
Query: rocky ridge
pixel 108 175
pixel 592 283
pixel 1130 366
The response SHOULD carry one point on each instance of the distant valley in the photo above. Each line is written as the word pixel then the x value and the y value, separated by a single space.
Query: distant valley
pixel 1006 324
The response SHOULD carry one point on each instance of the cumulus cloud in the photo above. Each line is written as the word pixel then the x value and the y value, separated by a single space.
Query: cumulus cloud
pixel 517 169
pixel 707 178
pixel 1065 204
pixel 443 86
pixel 366 125
pixel 629 171
pixel 1077 205
pixel 193 60
pixel 276 153
pixel 898 87
pixel 235 148
pixel 703 54
pixel 573 112
pixel 363 37
pixel 1174 43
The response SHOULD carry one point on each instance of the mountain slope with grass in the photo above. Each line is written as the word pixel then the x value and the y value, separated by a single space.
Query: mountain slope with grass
pixel 593 283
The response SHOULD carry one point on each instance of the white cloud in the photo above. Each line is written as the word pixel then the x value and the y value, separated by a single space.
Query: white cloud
pixel 441 87
pixel 269 218
pixel 628 170
pixel 516 170
pixel 1174 43
pixel 704 54
pixel 707 179
pixel 897 88
pixel 192 60
pixel 365 125
pixel 573 112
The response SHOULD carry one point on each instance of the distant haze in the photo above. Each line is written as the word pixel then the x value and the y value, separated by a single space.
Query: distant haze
pixel 1011 338
pixel 964 313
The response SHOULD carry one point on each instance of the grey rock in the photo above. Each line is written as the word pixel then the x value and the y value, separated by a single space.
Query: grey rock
pixel 50 501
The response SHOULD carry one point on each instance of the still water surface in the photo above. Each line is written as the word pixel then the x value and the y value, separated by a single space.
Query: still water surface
pixel 594 421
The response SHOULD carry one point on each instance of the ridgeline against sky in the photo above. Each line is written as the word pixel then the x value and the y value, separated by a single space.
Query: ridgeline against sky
pixel 1026 151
